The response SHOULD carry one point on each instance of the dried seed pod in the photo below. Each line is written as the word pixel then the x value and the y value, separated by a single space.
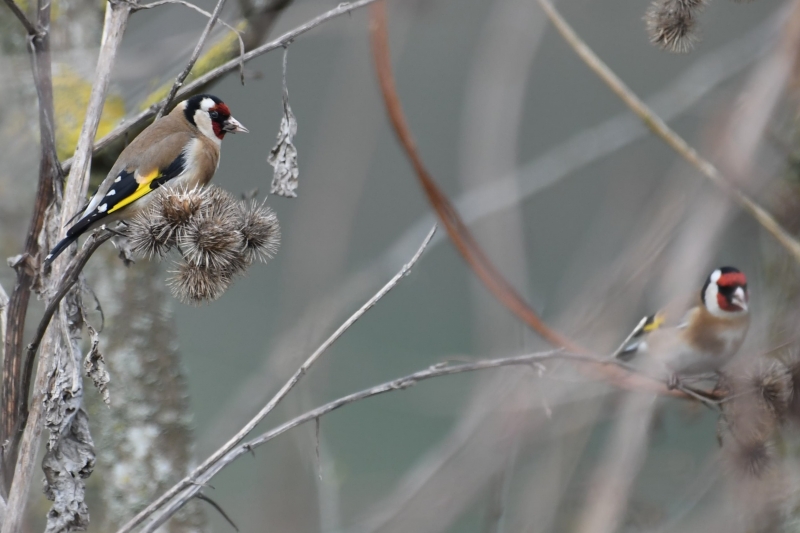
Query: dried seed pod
pixel 193 284
pixel 153 231
pixel 149 234
pixel 213 243
pixel 772 381
pixel 219 203
pixel 751 457
pixel 218 237
pixel 261 234
pixel 671 24
pixel 179 206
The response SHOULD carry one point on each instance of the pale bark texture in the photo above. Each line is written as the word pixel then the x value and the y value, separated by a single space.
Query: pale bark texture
pixel 145 437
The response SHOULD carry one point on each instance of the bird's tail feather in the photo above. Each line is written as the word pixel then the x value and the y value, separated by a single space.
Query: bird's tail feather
pixel 58 248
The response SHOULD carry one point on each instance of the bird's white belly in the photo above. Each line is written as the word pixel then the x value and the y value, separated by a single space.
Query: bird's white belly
pixel 690 361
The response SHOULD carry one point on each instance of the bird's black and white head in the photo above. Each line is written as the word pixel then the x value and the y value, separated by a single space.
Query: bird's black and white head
pixel 725 293
pixel 211 116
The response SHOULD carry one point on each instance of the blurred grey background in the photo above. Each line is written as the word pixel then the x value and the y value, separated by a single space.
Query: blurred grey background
pixel 583 215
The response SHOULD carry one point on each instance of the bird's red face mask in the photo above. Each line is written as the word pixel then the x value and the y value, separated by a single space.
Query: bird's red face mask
pixel 223 122
pixel 732 295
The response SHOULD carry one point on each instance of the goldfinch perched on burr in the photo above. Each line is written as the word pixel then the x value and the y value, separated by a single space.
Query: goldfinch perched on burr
pixel 181 148
pixel 709 335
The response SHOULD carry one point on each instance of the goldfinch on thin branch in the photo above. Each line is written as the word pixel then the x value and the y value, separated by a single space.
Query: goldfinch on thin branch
pixel 709 335
pixel 180 149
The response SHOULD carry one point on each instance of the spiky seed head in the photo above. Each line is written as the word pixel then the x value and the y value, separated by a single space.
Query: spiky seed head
pixel 218 237
pixel 695 6
pixel 671 25
pixel 194 284
pixel 261 233
pixel 219 203
pixel 149 234
pixel 211 242
pixel 772 381
pixel 178 206
pixel 751 457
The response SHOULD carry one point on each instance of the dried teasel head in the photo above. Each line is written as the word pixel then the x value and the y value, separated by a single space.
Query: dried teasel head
pixel 218 238
pixel 153 231
pixel 149 234
pixel 772 382
pixel 671 24
pixel 178 206
pixel 194 285
pixel 750 457
pixel 212 243
pixel 261 234
pixel 752 414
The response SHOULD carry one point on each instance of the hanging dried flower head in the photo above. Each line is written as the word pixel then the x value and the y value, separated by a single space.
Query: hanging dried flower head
pixel 194 284
pixel 216 236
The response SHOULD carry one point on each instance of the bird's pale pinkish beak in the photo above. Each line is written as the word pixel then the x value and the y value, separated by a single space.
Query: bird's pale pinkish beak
pixel 234 126
pixel 739 299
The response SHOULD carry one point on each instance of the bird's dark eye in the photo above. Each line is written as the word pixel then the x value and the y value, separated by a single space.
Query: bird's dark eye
pixel 214 115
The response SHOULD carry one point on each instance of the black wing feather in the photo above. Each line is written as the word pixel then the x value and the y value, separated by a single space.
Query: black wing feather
pixel 124 186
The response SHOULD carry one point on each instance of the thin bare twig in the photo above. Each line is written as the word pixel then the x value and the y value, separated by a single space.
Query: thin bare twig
pixel 213 18
pixel 389 386
pixel 29 27
pixel 189 485
pixel 67 281
pixel 282 41
pixel 396 384
pixel 193 59
pixel 660 128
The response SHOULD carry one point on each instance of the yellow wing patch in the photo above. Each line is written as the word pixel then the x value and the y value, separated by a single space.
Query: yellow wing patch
pixel 656 322
pixel 143 188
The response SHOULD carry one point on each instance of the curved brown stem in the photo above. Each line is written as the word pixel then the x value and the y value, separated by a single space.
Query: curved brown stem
pixel 460 234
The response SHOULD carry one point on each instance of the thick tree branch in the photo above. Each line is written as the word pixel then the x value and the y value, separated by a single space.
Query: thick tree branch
pixel 143 117
pixel 675 141
pixel 186 485
pixel 115 22
pixel 14 408
pixel 29 27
